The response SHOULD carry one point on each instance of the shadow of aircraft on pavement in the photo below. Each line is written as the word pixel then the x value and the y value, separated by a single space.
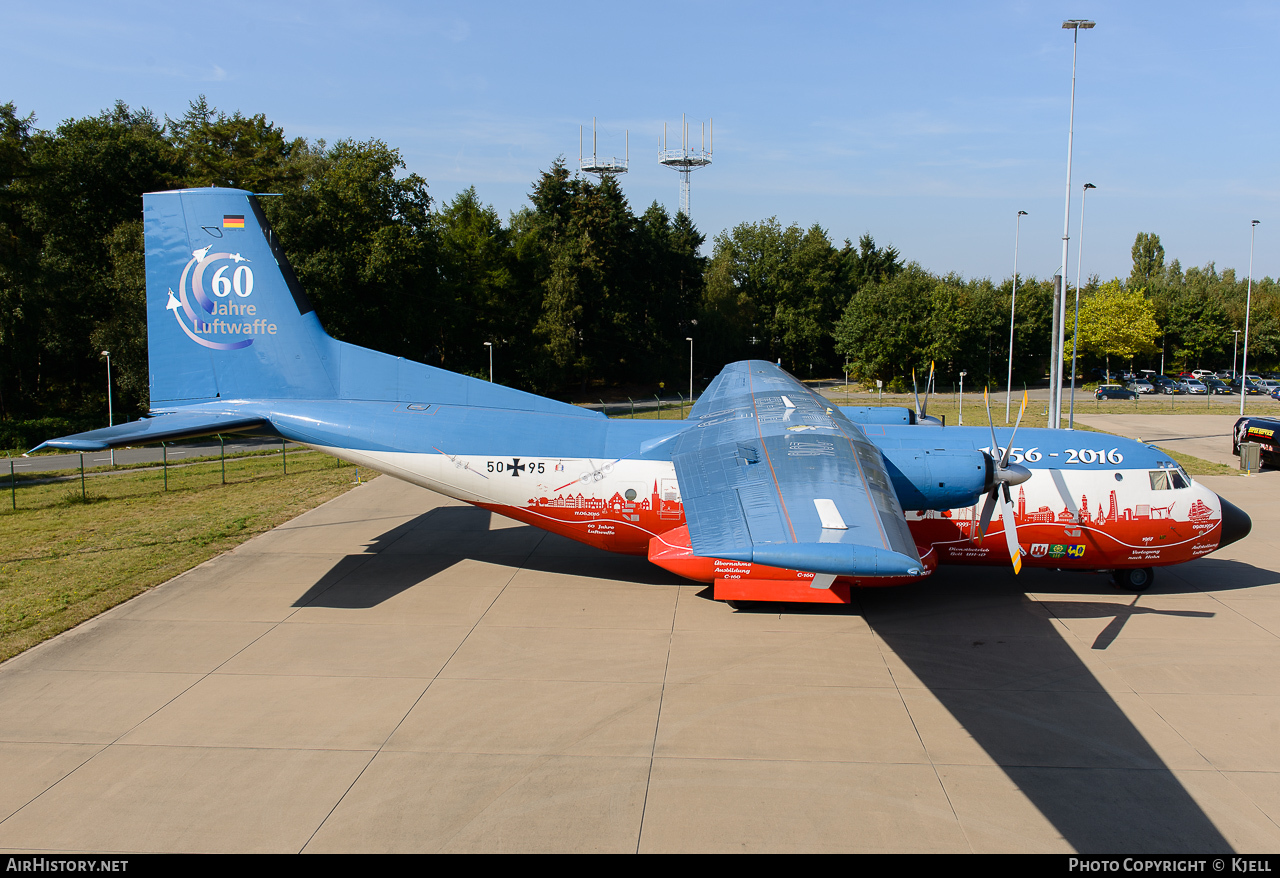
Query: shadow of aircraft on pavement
pixel 994 658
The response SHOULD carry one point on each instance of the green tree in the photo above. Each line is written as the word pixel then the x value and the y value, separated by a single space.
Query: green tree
pixel 1033 326
pixel 619 293
pixel 123 330
pixel 577 236
pixel 915 318
pixel 668 272
pixel 777 293
pixel 19 257
pixel 967 330
pixel 81 203
pixel 1117 321
pixel 1198 328
pixel 477 300
pixel 244 152
pixel 362 242
pixel 1148 259
pixel 868 263
pixel 883 331
pixel 1264 334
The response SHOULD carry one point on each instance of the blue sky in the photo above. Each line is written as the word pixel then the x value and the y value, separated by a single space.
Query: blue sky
pixel 928 125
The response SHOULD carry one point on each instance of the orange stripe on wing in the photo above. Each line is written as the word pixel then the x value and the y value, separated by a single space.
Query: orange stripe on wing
pixel 751 388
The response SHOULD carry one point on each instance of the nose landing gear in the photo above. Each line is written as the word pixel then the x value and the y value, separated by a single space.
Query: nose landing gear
pixel 1136 579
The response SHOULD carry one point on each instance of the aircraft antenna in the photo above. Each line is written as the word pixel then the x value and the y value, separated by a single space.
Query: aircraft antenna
pixel 600 166
pixel 686 160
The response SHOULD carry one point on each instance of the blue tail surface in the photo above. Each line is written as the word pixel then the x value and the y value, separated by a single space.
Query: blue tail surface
pixel 228 320
pixel 225 317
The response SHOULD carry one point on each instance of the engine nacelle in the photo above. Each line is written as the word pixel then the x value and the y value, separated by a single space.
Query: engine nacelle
pixel 935 478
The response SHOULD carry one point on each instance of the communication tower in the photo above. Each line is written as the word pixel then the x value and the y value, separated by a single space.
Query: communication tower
pixel 686 160
pixel 602 167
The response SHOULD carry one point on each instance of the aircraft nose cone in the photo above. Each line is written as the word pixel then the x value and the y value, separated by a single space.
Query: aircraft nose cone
pixel 1235 523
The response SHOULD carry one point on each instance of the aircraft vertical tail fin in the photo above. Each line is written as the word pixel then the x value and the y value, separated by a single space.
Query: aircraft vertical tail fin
pixel 226 318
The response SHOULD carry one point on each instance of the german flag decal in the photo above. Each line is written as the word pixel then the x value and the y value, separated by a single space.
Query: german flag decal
pixel 230 221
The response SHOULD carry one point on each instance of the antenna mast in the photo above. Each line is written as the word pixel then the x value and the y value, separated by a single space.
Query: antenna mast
pixel 686 160
pixel 602 167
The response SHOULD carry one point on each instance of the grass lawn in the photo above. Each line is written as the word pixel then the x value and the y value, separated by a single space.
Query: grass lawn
pixel 64 559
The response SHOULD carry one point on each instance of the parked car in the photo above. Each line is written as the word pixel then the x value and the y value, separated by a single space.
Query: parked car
pixel 1215 385
pixel 1191 385
pixel 1201 373
pixel 1250 387
pixel 1166 385
pixel 1141 385
pixel 1114 391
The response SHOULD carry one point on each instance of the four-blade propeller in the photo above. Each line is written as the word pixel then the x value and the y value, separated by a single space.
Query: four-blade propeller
pixel 922 416
pixel 1004 474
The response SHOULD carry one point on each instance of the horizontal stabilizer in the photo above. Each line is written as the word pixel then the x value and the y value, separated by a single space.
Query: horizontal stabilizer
pixel 162 428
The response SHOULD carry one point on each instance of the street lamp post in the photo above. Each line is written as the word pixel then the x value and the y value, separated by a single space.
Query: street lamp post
pixel 1013 307
pixel 1074 25
pixel 1248 298
pixel 489 345
pixel 690 341
pixel 111 417
pixel 1075 327
pixel 961 416
pixel 1235 342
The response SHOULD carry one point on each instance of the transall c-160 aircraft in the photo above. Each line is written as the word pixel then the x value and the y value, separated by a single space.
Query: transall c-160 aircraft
pixel 767 490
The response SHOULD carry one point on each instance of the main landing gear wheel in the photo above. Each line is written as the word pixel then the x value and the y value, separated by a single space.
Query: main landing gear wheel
pixel 1137 579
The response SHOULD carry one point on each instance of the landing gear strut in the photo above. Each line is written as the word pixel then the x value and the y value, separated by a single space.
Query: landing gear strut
pixel 1136 579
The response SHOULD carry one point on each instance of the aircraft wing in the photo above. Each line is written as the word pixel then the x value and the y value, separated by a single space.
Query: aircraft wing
pixel 161 428
pixel 771 472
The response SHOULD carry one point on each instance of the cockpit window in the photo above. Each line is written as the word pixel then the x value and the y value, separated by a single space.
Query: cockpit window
pixel 1169 479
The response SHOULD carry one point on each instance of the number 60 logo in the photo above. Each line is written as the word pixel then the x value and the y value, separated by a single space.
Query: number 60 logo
pixel 241 281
